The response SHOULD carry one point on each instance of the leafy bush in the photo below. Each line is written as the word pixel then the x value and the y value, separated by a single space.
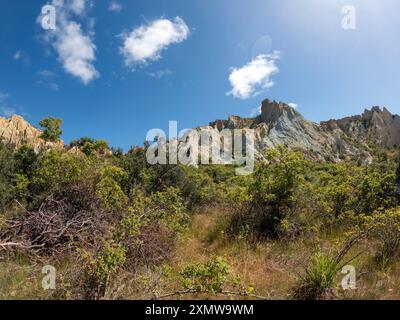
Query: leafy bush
pixel 25 160
pixel 20 186
pixel 56 170
pixel 206 278
pixel 272 195
pixel 101 266
pixel 90 146
pixel 111 195
pixel 150 228
pixel 385 227
pixel 214 277
pixel 376 190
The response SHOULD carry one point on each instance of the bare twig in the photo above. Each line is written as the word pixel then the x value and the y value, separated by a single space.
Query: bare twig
pixel 226 293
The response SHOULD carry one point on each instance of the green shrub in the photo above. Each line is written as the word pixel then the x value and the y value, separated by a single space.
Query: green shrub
pixel 272 195
pixel 25 160
pixel 101 266
pixel 206 278
pixel 376 190
pixel 90 146
pixel 385 227
pixel 57 170
pixel 20 186
pixel 110 194
pixel 168 208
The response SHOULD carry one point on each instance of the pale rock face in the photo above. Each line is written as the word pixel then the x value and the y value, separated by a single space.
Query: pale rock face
pixel 375 126
pixel 337 140
pixel 16 132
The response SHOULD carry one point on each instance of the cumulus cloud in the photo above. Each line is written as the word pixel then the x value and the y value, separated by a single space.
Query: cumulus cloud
pixel 145 43
pixel 249 80
pixel 74 46
pixel 77 52
pixel 293 105
pixel 115 6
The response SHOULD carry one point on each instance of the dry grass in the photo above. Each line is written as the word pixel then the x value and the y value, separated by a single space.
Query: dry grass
pixel 267 267
pixel 271 268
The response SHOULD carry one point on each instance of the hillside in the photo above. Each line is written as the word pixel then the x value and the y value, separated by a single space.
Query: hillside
pixel 114 226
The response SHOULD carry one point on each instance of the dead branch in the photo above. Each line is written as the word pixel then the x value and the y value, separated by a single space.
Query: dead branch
pixel 6 245
pixel 52 228
pixel 350 243
pixel 225 293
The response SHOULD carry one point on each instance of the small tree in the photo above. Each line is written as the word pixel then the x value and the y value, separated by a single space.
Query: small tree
pixel 52 129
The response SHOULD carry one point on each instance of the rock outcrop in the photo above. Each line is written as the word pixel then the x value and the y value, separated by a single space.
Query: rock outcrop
pixel 336 140
pixel 16 132
pixel 375 126
pixel 278 124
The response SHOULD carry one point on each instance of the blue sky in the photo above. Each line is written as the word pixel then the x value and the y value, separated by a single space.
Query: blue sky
pixel 131 66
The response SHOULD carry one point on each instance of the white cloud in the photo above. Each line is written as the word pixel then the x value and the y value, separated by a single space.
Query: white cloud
pixel 249 80
pixel 75 48
pixel 115 6
pixel 77 6
pixel 146 42
pixel 293 105
pixel 77 52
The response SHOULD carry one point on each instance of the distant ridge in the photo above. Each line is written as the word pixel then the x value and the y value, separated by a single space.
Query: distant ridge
pixel 335 140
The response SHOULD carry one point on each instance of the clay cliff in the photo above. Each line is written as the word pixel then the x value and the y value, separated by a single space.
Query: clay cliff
pixel 336 140
pixel 16 132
